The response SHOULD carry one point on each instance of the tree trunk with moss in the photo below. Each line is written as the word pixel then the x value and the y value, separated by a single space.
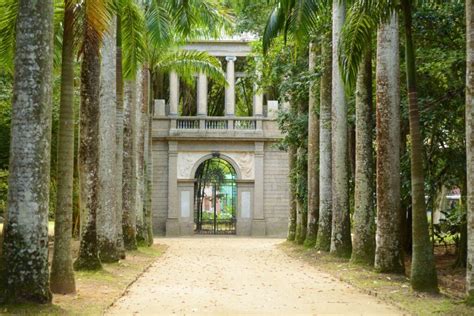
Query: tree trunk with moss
pixel 388 254
pixel 323 241
pixel 341 227
pixel 106 212
pixel 119 149
pixel 301 204
pixel 88 258
pixel 470 148
pixel 423 270
pixel 25 272
pixel 148 158
pixel 313 158
pixel 292 159
pixel 140 157
pixel 363 247
pixel 129 179
pixel 62 273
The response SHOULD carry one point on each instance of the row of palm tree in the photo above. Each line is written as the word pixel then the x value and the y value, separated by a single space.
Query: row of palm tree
pixel 122 45
pixel 353 25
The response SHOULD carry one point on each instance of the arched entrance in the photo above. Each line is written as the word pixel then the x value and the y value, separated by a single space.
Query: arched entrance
pixel 215 197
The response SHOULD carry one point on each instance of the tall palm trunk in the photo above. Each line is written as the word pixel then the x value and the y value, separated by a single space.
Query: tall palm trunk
pixel 341 226
pixel 129 179
pixel 323 241
pixel 119 134
pixel 25 273
pixel 470 148
pixel 301 180
pixel 106 212
pixel 62 273
pixel 148 158
pixel 388 255
pixel 140 159
pixel 292 159
pixel 423 270
pixel 88 258
pixel 313 158
pixel 363 250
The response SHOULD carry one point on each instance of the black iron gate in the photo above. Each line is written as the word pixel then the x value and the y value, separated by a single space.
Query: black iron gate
pixel 215 200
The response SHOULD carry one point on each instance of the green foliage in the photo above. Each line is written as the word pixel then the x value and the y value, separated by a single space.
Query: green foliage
pixel 439 36
pixel 5 119
pixel 3 191
pixel 251 15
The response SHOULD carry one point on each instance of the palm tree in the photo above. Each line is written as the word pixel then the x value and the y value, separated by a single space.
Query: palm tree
pixel 313 158
pixel 88 258
pixel 303 19
pixel 107 212
pixel 141 123
pixel 62 273
pixel 423 270
pixel 119 140
pixel 388 255
pixel 149 34
pixel 368 15
pixel 323 241
pixel 470 146
pixel 25 272
pixel 129 167
pixel 363 247
pixel 293 207
pixel 341 233
pixel 302 181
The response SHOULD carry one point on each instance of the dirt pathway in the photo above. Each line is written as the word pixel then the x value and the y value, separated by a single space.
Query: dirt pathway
pixel 229 276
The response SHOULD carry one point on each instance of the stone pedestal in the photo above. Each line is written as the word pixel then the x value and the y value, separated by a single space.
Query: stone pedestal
pixel 202 95
pixel 174 93
pixel 159 108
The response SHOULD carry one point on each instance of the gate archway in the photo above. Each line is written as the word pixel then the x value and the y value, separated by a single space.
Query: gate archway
pixel 215 197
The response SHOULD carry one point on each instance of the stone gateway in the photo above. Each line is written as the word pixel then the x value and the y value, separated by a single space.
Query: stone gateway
pixel 218 174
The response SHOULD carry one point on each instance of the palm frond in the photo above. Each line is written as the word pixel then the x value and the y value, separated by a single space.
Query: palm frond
pixel 275 24
pixel 300 18
pixel 188 63
pixel 158 24
pixel 96 19
pixel 362 21
pixel 9 9
pixel 190 17
pixel 132 30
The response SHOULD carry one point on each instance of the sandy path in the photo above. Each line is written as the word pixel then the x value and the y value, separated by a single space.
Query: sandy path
pixel 229 276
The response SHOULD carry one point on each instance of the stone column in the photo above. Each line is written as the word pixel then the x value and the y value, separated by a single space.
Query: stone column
pixel 230 89
pixel 174 93
pixel 258 223
pixel 258 96
pixel 202 95
pixel 172 223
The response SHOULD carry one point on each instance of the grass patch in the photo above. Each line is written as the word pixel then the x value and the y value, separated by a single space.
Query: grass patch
pixel 391 288
pixel 96 290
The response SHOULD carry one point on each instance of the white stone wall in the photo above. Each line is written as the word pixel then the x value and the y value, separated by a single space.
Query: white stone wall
pixel 276 191
pixel 160 187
